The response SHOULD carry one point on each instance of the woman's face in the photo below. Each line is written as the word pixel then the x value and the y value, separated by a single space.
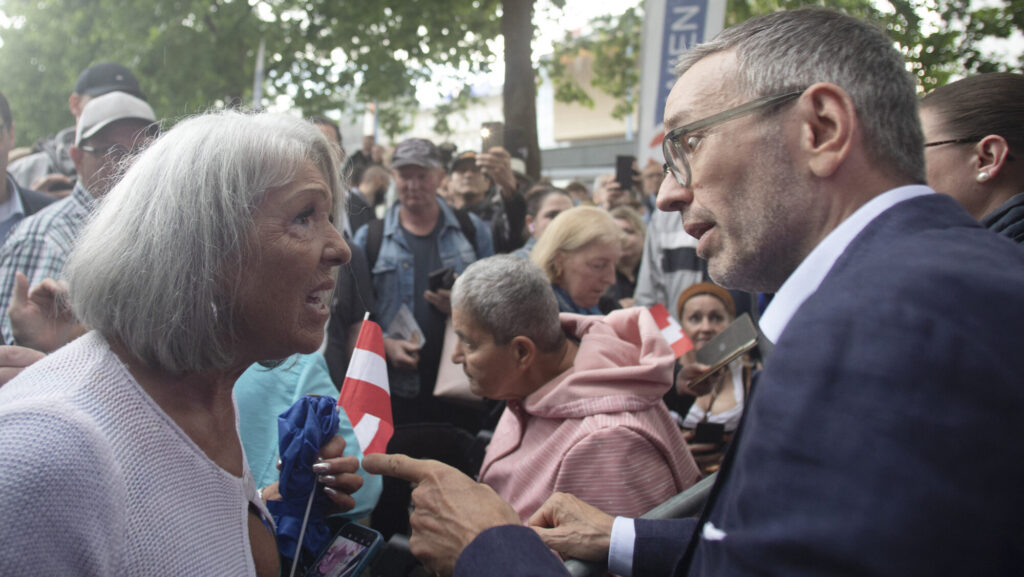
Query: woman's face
pixel 285 296
pixel 633 245
pixel 948 167
pixel 552 206
pixel 588 272
pixel 704 316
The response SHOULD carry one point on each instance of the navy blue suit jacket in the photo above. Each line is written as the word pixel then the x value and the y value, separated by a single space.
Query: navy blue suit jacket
pixel 886 435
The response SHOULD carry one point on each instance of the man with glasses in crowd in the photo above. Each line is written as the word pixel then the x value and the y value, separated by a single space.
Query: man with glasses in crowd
pixel 110 127
pixel 883 435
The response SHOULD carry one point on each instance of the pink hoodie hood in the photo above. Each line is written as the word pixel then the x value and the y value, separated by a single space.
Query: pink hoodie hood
pixel 625 346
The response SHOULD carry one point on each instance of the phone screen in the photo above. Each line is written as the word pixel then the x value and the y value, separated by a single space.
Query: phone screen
pixel 346 554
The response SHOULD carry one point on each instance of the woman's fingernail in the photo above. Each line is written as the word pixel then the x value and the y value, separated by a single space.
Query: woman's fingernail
pixel 331 491
pixel 325 479
pixel 321 467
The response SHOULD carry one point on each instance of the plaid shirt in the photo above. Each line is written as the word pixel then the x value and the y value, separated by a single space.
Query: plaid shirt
pixel 39 246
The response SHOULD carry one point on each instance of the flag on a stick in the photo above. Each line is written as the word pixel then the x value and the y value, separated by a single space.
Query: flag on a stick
pixel 670 329
pixel 365 394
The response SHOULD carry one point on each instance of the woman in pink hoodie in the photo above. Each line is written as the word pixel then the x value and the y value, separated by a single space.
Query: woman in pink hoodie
pixel 584 413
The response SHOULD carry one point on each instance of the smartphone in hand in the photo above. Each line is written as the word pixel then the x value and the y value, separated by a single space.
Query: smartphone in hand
pixel 349 552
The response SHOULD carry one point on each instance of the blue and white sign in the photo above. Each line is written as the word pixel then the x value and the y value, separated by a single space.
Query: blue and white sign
pixel 671 27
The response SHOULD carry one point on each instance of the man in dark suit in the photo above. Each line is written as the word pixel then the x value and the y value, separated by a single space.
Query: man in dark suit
pixel 15 202
pixel 883 436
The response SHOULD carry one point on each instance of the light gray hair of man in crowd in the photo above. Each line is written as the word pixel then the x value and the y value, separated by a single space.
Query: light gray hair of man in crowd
pixel 775 57
pixel 159 263
pixel 510 297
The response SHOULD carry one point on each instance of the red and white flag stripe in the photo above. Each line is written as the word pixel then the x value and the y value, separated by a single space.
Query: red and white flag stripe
pixel 365 394
pixel 670 329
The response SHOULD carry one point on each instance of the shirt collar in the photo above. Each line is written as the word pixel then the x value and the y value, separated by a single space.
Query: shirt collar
pixel 812 271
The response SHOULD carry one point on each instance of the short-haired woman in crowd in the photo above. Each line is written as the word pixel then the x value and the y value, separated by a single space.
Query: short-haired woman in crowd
pixel 119 453
pixel 974 147
pixel 705 310
pixel 578 252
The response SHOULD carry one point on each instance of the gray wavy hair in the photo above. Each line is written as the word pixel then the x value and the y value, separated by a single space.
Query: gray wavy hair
pixel 509 297
pixel 159 263
pixel 790 50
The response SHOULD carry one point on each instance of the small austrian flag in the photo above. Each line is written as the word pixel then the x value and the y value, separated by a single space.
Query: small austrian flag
pixel 671 330
pixel 365 394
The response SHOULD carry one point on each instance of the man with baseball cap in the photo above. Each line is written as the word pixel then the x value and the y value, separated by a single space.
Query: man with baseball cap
pixel 485 184
pixel 51 168
pixel 419 234
pixel 110 128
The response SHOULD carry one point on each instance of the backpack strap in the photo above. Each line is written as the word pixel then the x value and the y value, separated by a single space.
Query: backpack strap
pixel 468 228
pixel 374 238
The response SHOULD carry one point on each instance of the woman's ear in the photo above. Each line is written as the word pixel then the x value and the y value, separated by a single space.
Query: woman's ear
pixel 991 152
pixel 525 351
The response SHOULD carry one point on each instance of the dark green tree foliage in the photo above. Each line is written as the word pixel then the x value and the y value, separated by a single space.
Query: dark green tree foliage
pixel 192 55
pixel 939 38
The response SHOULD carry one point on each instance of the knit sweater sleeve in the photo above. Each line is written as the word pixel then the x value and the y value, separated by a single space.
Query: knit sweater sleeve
pixel 61 499
pixel 618 471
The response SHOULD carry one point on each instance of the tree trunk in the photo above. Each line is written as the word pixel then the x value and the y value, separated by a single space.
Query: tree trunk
pixel 520 94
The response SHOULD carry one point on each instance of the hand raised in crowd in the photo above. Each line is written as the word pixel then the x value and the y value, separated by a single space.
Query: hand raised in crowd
pixel 56 184
pixel 402 354
pixel 691 371
pixel 41 318
pixel 497 163
pixel 573 528
pixel 13 360
pixel 440 299
pixel 335 472
pixel 450 509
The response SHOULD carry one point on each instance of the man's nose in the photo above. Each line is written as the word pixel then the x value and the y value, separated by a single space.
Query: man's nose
pixel 672 196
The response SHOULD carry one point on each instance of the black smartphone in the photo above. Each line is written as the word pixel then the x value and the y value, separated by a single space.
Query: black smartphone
pixel 738 338
pixel 442 278
pixel 491 134
pixel 349 552
pixel 710 433
pixel 624 174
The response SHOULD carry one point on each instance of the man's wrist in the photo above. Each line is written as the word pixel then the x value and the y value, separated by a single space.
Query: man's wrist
pixel 620 550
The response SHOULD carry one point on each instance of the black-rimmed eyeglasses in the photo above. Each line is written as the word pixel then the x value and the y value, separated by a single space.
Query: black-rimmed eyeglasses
pixel 681 142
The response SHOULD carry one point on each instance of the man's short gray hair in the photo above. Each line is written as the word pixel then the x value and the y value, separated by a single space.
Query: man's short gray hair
pixel 791 50
pixel 509 297
pixel 159 264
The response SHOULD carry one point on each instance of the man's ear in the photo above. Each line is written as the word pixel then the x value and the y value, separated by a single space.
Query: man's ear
pixel 992 153
pixel 828 124
pixel 76 156
pixel 525 350
pixel 75 104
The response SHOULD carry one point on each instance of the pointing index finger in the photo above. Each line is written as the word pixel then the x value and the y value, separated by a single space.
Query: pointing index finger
pixel 400 466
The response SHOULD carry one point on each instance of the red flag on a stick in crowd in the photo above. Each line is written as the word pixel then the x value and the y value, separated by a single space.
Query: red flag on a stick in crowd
pixel 365 394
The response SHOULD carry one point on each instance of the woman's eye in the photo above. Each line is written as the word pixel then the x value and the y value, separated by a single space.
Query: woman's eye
pixel 305 216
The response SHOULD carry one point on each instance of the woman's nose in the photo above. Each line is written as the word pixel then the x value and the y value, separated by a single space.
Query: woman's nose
pixel 336 252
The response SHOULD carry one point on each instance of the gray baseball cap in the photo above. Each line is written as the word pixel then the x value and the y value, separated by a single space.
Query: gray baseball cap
pixel 416 152
pixel 111 107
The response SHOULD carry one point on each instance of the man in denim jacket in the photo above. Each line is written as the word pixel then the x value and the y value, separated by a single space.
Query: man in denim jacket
pixel 421 234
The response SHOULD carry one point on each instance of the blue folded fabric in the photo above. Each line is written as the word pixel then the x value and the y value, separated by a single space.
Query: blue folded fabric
pixel 302 431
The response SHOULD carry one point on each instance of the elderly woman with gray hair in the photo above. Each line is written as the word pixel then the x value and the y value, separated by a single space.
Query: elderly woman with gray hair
pixel 584 413
pixel 119 453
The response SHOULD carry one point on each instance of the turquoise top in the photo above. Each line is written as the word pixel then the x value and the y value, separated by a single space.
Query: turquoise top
pixel 262 394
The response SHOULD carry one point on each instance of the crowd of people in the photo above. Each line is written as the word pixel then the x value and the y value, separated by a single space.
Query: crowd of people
pixel 168 287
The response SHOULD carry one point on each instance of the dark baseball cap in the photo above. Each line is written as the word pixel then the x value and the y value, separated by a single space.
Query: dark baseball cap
pixel 105 77
pixel 416 152
pixel 466 157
